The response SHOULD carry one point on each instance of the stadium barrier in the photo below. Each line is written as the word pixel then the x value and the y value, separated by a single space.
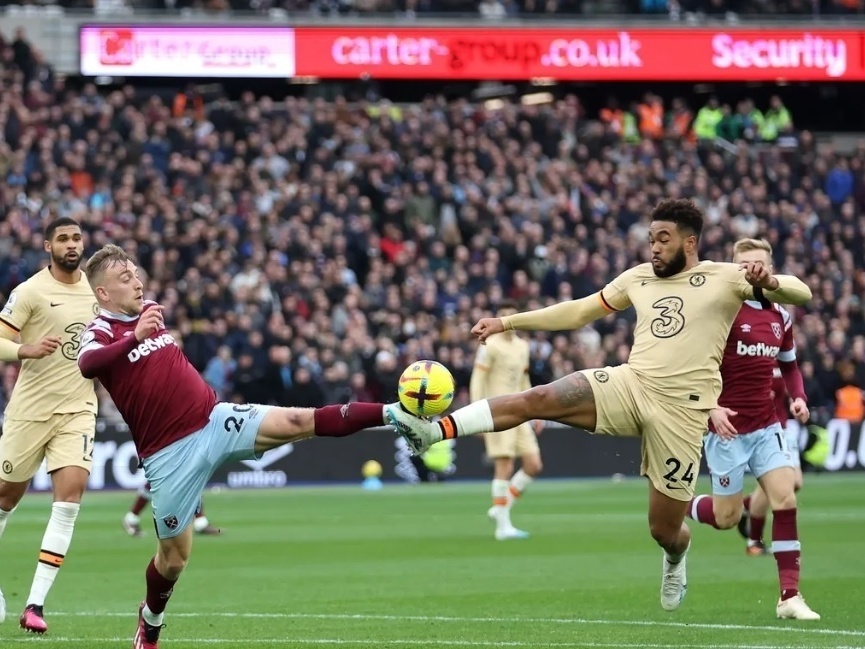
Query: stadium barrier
pixel 568 453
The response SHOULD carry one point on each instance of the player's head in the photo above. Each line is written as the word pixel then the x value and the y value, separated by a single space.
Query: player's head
pixel 64 243
pixel 115 282
pixel 753 250
pixel 506 308
pixel 674 235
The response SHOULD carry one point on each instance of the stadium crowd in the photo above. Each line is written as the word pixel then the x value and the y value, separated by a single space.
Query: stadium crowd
pixel 307 250
pixel 488 9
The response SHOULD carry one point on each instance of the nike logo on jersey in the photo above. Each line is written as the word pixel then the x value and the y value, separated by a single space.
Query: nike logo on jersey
pixel 646 281
pixel 56 303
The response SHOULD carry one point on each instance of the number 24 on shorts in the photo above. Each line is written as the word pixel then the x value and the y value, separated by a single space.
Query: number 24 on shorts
pixel 673 475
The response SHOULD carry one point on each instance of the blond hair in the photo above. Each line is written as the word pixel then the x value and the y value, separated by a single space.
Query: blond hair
pixel 747 245
pixel 103 259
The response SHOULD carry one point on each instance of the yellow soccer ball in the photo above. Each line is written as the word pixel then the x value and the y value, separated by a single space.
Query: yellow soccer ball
pixel 371 469
pixel 426 388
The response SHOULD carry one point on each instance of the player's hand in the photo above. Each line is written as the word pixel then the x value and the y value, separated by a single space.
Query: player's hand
pixel 538 426
pixel 721 419
pixel 799 409
pixel 758 274
pixel 486 327
pixel 48 345
pixel 149 323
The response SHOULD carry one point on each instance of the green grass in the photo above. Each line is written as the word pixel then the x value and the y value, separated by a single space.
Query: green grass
pixel 417 567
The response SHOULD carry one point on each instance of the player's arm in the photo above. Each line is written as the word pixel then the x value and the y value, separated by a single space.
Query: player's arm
pixel 575 314
pixel 13 317
pixel 99 350
pixel 480 374
pixel 790 371
pixel 756 282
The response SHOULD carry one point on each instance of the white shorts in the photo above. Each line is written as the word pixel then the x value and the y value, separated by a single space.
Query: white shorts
pixel 762 451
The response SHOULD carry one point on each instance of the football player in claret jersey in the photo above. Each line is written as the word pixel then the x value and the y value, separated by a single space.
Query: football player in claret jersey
pixel 663 394
pixel 502 367
pixel 180 431
pixel 744 431
pixel 52 412
pixel 756 506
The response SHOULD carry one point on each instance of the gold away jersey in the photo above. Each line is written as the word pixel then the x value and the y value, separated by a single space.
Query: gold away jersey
pixel 506 362
pixel 43 306
pixel 682 327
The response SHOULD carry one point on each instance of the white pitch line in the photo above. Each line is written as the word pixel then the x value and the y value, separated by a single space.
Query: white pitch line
pixel 493 620
pixel 423 643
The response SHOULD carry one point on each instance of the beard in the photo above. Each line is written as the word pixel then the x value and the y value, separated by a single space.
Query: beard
pixel 68 265
pixel 673 267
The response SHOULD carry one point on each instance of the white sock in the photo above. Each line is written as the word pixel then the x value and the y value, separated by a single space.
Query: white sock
pixel 4 518
pixel 55 544
pixel 200 523
pixel 519 482
pixel 474 418
pixel 153 619
pixel 501 507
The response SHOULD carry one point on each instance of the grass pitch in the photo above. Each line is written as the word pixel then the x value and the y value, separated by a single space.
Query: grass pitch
pixel 417 567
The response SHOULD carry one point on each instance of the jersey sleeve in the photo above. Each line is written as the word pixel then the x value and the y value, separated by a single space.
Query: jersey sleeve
pixel 97 335
pixel 484 358
pixel 788 343
pixel 614 296
pixel 17 310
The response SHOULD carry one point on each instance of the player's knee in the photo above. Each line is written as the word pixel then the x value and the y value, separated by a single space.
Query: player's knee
pixel 665 533
pixel 784 501
pixel 11 494
pixel 533 465
pixel 727 518
pixel 537 401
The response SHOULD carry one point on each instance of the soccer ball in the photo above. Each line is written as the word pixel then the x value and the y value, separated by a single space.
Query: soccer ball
pixel 426 388
pixel 371 469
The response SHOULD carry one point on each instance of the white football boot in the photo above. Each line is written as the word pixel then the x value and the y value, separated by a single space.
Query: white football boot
pixel 674 582
pixel 795 608
pixel 2 608
pixel 505 530
pixel 418 433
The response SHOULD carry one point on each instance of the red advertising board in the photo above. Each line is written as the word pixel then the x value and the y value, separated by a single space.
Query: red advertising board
pixel 580 54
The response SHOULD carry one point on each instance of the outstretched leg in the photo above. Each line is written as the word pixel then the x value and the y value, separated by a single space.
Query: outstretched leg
pixel 569 400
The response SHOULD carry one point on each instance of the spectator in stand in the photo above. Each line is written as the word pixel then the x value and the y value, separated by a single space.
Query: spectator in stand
pixel 327 243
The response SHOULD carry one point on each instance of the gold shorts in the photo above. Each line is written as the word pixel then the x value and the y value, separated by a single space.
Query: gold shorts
pixel 672 435
pixel 516 442
pixel 63 440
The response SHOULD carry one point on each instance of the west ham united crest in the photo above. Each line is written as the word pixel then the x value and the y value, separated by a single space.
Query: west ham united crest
pixel 776 329
pixel 171 522
pixel 724 480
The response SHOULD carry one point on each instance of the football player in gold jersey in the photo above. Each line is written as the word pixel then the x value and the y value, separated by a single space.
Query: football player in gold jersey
pixel 502 367
pixel 51 414
pixel 663 394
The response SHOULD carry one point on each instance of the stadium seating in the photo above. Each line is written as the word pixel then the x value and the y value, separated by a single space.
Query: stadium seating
pixel 307 250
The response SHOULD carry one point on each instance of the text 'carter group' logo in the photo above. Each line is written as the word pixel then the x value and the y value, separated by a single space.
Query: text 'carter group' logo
pixel 758 349
pixel 149 346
